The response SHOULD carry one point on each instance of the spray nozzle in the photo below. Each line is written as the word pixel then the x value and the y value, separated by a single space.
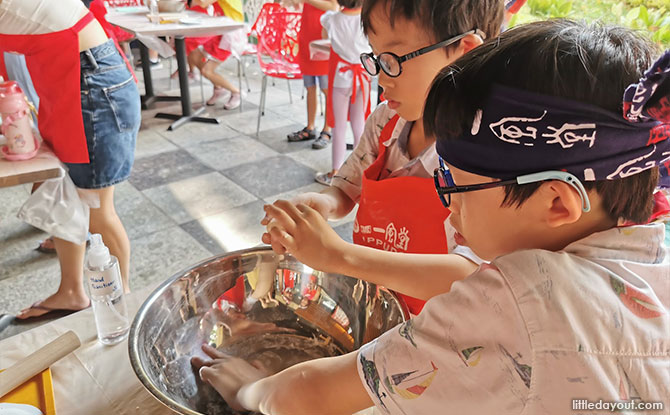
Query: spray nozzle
pixel 98 254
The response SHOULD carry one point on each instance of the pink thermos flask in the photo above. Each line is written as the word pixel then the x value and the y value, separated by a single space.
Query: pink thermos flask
pixel 16 123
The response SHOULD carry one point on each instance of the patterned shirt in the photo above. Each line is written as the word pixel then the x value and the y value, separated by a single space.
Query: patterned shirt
pixel 535 330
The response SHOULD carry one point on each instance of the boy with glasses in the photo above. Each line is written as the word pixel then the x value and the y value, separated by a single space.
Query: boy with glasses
pixel 551 177
pixel 389 174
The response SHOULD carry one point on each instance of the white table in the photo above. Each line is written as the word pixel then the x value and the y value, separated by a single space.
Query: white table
pixel 94 379
pixel 139 24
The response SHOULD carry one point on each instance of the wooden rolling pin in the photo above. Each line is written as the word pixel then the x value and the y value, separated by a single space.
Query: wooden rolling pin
pixel 36 362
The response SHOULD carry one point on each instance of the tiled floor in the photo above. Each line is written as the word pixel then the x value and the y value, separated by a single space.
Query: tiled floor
pixel 194 192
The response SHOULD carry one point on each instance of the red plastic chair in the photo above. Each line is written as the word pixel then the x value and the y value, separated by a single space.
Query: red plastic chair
pixel 277 51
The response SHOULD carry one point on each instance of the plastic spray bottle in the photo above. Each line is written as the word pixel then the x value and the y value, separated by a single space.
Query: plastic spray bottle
pixel 106 291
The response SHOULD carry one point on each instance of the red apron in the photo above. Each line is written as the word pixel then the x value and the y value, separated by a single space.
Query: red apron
pixel 362 80
pixel 53 62
pixel 400 214
pixel 310 29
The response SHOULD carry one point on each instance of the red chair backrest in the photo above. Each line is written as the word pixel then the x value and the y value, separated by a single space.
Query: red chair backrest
pixel 278 40
pixel 261 20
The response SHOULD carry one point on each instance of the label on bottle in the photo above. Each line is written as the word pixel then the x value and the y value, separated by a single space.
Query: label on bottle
pixel 103 283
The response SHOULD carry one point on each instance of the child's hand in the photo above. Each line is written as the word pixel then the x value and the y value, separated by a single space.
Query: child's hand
pixel 324 204
pixel 227 374
pixel 318 201
pixel 304 233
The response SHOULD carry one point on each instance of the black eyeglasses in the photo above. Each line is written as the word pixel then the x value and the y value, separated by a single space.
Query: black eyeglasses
pixel 391 63
pixel 445 186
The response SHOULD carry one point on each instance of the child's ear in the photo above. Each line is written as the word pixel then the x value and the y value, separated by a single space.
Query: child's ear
pixel 470 42
pixel 562 203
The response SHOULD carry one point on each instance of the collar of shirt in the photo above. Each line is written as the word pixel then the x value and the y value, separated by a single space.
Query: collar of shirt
pixel 427 158
pixel 643 244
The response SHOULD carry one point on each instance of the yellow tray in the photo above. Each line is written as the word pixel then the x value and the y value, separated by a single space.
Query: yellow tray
pixel 38 391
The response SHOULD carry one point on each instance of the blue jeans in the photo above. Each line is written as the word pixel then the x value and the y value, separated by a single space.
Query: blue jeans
pixel 110 106
pixel 311 80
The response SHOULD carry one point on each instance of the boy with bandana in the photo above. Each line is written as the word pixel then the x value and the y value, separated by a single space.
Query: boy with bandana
pixel 551 177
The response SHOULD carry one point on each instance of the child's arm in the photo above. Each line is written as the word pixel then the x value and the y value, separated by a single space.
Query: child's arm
pixel 302 232
pixel 328 386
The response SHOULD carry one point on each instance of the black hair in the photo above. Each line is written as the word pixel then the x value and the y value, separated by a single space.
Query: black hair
pixel 350 4
pixel 591 63
pixel 442 18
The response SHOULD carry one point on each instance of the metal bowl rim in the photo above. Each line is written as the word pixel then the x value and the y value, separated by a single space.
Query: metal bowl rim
pixel 133 347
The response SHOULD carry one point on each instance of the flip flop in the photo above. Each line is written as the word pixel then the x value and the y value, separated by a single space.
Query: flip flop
pixel 302 135
pixel 46 249
pixel 49 311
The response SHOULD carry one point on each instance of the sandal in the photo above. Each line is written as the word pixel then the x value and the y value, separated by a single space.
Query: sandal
pixel 322 141
pixel 302 135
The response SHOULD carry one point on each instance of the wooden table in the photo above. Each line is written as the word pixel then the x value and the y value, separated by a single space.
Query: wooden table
pixel 43 166
pixel 139 24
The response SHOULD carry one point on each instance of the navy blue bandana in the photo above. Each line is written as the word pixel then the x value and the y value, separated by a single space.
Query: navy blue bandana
pixel 520 132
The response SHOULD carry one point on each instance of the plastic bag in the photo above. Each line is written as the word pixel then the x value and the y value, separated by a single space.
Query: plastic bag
pixel 57 208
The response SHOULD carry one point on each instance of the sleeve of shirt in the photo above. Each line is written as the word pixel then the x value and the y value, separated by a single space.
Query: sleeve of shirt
pixel 326 19
pixel 468 352
pixel 348 178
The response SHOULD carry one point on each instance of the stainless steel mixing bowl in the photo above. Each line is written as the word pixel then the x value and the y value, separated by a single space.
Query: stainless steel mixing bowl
pixel 255 305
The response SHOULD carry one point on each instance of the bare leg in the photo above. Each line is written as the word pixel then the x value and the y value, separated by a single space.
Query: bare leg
pixel 70 294
pixel 209 71
pixel 107 223
pixel 196 59
pixel 311 107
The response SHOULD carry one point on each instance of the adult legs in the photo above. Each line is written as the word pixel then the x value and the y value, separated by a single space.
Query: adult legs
pixel 107 223
pixel 71 294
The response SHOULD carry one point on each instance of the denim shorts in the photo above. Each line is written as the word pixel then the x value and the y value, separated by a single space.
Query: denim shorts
pixel 310 81
pixel 110 106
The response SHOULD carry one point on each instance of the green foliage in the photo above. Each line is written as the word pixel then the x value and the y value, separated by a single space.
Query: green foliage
pixel 651 17
pixel 550 8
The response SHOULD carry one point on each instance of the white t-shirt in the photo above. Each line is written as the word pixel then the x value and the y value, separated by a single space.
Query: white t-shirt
pixel 534 331
pixel 34 17
pixel 347 39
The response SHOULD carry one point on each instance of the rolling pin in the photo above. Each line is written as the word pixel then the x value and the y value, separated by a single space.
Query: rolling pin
pixel 36 362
